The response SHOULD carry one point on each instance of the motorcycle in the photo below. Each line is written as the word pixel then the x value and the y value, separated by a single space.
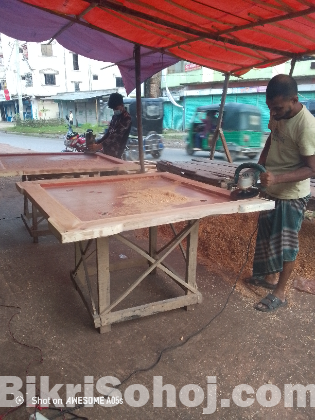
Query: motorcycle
pixel 152 144
pixel 76 142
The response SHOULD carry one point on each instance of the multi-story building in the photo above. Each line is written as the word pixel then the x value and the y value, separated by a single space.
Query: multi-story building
pixel 45 70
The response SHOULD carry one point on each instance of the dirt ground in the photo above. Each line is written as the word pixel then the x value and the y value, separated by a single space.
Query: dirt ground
pixel 236 344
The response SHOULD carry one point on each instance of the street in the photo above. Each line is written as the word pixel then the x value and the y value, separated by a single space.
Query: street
pixel 50 145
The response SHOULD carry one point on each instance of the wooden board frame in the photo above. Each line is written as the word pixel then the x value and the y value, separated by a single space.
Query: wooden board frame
pixel 104 165
pixel 83 164
pixel 69 228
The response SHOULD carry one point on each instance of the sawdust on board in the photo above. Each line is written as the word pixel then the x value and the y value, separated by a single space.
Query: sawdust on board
pixel 140 198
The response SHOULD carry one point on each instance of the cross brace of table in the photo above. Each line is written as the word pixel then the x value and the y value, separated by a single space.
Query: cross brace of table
pixel 101 307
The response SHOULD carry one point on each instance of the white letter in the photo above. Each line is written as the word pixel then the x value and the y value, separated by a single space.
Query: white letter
pixel 211 395
pixel 301 395
pixel 30 391
pixel 198 395
pixel 107 390
pixel 10 390
pixel 71 392
pixel 50 395
pixel 158 389
pixel 237 395
pixel 275 395
pixel 89 390
pixel 130 397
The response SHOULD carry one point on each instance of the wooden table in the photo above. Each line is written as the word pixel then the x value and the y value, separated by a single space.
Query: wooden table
pixel 89 211
pixel 213 172
pixel 34 166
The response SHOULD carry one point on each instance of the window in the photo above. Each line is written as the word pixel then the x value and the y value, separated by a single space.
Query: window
pixel 76 86
pixel 46 50
pixel 50 79
pixel 95 77
pixel 75 61
pixel 119 82
pixel 313 65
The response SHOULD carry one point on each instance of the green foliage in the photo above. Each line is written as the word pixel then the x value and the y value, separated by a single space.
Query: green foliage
pixel 51 126
pixel 39 123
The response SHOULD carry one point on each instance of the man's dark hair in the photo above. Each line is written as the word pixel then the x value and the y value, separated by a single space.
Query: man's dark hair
pixel 281 85
pixel 114 100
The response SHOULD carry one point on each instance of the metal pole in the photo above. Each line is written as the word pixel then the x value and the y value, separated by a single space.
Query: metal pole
pixel 139 110
pixel 223 97
pixel 18 79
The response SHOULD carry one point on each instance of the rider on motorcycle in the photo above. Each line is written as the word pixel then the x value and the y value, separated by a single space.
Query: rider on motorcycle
pixel 115 139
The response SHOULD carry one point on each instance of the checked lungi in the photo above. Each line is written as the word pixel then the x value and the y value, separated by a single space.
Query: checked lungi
pixel 277 237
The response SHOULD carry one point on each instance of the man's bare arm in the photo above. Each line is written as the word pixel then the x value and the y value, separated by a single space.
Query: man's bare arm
pixel 307 171
pixel 264 153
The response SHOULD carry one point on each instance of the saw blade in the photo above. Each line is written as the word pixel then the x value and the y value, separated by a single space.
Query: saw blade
pixel 243 194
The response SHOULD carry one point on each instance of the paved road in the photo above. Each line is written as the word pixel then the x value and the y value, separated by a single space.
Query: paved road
pixel 44 144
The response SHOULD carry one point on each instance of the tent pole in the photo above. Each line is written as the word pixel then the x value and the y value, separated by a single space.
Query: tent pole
pixel 293 61
pixel 139 110
pixel 223 97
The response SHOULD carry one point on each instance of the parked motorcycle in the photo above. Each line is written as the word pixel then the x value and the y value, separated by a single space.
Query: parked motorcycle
pixel 152 145
pixel 74 141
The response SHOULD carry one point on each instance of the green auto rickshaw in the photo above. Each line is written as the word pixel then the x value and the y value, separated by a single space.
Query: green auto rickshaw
pixel 241 126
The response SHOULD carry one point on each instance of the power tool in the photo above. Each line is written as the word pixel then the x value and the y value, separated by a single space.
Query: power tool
pixel 246 184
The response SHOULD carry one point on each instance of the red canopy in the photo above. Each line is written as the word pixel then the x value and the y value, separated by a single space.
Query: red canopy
pixel 230 35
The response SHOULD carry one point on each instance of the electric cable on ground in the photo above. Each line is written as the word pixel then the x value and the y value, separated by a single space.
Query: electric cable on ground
pixel 175 346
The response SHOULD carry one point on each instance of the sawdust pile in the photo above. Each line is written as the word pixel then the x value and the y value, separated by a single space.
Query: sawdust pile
pixel 142 200
pixel 224 243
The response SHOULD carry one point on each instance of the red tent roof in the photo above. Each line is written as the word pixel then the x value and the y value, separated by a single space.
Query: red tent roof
pixel 230 35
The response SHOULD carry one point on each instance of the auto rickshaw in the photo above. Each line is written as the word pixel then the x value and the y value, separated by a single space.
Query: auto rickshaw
pixel 241 126
pixel 152 126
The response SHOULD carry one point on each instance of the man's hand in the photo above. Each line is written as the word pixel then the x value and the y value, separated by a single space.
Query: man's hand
pixel 267 179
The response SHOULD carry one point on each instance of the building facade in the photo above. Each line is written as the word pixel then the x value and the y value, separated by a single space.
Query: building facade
pixel 194 86
pixel 35 71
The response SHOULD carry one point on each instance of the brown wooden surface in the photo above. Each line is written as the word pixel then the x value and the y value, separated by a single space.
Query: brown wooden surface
pixel 26 164
pixel 85 208
pixel 215 173
pixel 201 169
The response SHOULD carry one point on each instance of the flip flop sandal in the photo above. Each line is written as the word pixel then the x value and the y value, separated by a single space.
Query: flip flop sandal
pixel 260 282
pixel 270 303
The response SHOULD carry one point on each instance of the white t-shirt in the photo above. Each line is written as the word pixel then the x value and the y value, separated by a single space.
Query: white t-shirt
pixel 290 140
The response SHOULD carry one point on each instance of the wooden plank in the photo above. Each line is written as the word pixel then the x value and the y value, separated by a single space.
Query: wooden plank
pixel 225 146
pixel 150 309
pixel 153 244
pixel 83 292
pixel 191 259
pixel 78 277
pixel 34 233
pixel 61 164
pixel 203 200
pixel 122 265
pixel 103 278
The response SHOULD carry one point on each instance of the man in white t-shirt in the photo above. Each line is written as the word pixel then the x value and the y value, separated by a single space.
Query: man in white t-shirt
pixel 70 118
pixel 289 158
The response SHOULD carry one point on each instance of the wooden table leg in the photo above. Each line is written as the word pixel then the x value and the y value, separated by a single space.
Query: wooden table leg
pixel 191 260
pixel 34 224
pixel 103 278
pixel 153 244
